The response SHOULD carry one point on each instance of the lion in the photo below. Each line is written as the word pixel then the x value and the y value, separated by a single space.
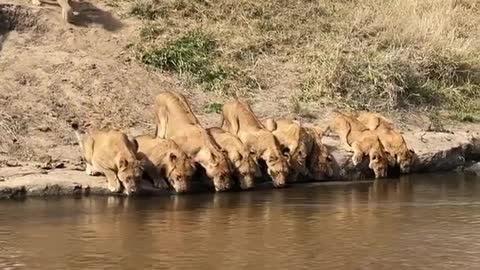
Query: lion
pixel 164 160
pixel 245 166
pixel 391 139
pixel 239 119
pixel 67 11
pixel 357 138
pixel 175 120
pixel 113 154
pixel 292 135
pixel 320 162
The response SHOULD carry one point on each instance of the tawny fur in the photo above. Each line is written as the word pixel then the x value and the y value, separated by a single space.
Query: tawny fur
pixel 175 120
pixel 391 139
pixel 112 154
pixel 244 163
pixel 164 161
pixel 292 135
pixel 239 120
pixel 320 162
pixel 357 138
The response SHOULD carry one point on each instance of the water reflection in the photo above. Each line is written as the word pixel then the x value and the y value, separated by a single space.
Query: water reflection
pixel 419 222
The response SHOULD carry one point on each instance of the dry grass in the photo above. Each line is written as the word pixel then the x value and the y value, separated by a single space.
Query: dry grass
pixel 361 54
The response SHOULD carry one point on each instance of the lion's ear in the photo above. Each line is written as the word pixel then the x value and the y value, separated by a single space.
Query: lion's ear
pixel 237 156
pixel 285 151
pixel 270 125
pixel 214 159
pixel 172 157
pixel 122 163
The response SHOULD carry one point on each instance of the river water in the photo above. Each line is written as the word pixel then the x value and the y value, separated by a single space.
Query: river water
pixel 415 222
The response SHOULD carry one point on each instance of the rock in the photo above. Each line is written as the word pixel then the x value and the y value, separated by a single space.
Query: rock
pixel 60 182
pixel 474 169
pixel 12 164
pixel 44 129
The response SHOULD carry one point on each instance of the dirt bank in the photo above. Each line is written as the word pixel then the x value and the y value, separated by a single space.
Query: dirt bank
pixel 52 73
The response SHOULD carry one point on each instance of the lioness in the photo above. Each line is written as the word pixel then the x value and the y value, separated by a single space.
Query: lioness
pixel 176 121
pixel 113 154
pixel 391 139
pixel 291 134
pixel 319 160
pixel 239 119
pixel 245 167
pixel 67 11
pixel 362 141
pixel 164 160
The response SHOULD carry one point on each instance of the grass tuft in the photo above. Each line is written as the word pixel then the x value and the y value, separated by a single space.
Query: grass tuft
pixel 365 54
pixel 150 31
pixel 146 9
pixel 213 107
pixel 192 54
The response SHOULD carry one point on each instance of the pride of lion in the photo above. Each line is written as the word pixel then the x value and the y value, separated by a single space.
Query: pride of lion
pixel 238 153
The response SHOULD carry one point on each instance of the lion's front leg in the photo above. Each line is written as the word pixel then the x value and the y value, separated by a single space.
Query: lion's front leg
pixel 113 183
pixel 92 170
pixel 344 141
pixel 67 11
pixel 89 169
pixel 358 154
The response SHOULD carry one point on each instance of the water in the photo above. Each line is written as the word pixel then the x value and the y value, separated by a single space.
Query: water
pixel 416 222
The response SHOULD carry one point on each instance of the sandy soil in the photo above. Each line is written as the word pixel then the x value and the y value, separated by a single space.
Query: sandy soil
pixel 52 73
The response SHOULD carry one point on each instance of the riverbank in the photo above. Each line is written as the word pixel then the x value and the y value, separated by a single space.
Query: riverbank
pixel 91 71
pixel 445 151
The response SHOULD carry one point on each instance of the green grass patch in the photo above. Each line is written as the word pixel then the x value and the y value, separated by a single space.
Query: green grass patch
pixel 192 54
pixel 213 107
pixel 150 31
pixel 371 55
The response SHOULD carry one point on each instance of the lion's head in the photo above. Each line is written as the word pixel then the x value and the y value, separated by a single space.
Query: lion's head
pixel 246 168
pixel 217 168
pixel 405 159
pixel 321 162
pixel 378 160
pixel 130 173
pixel 179 170
pixel 276 158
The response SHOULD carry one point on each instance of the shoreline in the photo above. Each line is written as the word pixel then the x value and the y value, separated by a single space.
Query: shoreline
pixel 436 152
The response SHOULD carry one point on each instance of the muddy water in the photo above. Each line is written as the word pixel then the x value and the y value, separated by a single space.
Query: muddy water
pixel 417 222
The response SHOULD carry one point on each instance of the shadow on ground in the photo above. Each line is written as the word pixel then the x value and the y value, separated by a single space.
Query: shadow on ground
pixel 89 14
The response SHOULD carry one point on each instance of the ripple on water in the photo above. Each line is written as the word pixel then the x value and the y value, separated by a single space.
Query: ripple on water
pixel 415 223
